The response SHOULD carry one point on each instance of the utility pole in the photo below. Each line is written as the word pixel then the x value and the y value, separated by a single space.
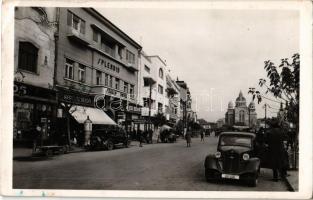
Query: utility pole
pixel 150 94
pixel 265 109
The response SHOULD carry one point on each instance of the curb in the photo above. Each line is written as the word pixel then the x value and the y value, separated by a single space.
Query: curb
pixel 289 186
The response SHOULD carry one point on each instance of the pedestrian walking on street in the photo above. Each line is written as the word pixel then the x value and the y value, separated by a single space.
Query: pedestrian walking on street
pixel 202 136
pixel 140 137
pixel 188 139
pixel 276 150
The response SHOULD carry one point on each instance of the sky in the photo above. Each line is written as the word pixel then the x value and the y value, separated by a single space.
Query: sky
pixel 216 52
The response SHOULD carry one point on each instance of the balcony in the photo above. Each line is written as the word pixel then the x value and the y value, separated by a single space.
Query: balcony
pixel 76 36
pixel 131 67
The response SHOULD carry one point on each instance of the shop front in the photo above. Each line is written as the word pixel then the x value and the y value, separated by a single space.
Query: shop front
pixel 75 108
pixel 33 107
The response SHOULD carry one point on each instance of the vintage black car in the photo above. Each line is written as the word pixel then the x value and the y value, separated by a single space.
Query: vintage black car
pixel 108 138
pixel 235 159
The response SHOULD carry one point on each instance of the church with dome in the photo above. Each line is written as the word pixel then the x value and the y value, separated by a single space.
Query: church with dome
pixel 241 114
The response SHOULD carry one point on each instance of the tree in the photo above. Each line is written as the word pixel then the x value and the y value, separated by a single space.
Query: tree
pixel 284 85
pixel 159 119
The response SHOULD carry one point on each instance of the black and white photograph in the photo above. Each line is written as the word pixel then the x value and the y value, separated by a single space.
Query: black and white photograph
pixel 190 97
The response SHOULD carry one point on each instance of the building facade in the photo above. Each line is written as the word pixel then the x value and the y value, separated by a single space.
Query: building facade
pixel 34 55
pixel 241 114
pixel 173 96
pixel 97 65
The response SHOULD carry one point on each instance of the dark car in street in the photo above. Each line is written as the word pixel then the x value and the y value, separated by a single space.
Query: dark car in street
pixel 109 137
pixel 235 159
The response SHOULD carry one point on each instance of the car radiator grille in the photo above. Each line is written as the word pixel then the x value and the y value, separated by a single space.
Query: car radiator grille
pixel 231 162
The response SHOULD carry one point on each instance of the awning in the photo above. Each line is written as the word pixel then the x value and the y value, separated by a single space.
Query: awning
pixel 97 116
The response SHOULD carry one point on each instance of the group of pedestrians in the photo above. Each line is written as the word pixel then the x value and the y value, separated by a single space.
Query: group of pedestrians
pixel 188 137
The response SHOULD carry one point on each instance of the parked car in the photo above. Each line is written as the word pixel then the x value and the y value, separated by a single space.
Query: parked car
pixel 235 159
pixel 168 136
pixel 108 138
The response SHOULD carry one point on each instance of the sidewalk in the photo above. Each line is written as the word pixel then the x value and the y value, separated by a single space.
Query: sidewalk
pixel 23 152
pixel 292 181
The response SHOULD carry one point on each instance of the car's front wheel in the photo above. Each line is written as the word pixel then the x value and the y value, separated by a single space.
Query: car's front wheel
pixel 253 180
pixel 109 145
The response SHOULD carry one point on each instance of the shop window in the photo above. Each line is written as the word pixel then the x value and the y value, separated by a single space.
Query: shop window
pixel 125 87
pixel 69 69
pixel 117 83
pixel 98 77
pixel 27 57
pixel 161 73
pixel 160 89
pixel 81 73
pixel 76 22
pixel 130 57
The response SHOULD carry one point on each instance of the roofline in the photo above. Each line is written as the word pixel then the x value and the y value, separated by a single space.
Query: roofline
pixel 114 27
pixel 156 56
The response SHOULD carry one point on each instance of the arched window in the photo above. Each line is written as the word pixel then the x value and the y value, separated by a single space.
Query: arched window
pixel 241 116
pixel 161 73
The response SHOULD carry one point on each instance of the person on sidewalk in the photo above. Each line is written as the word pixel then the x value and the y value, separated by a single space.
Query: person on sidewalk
pixel 188 139
pixel 36 137
pixel 276 150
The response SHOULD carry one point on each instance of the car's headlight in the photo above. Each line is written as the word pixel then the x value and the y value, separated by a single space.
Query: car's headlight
pixel 245 156
pixel 218 154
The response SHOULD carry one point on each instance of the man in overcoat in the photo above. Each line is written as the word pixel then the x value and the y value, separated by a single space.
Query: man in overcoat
pixel 276 151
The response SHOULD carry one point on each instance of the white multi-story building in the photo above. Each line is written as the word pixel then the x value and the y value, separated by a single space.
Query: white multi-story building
pixel 152 86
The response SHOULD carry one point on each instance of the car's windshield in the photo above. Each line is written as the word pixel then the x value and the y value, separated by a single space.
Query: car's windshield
pixel 230 140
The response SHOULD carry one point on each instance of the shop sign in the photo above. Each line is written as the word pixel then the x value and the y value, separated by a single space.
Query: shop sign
pixel 139 121
pixel 103 63
pixel 132 108
pixel 77 99
pixel 144 111
pixel 22 89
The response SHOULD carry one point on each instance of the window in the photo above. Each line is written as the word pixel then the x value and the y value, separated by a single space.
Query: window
pixel 81 73
pixel 95 36
pixel 110 81
pixel 161 73
pixel 147 69
pixel 160 107
pixel 106 80
pixel 27 57
pixel 130 57
pixel 69 69
pixel 76 22
pixel 120 52
pixel 131 89
pixel 98 77
pixel 125 87
pixel 241 116
pixel 160 89
pixel 117 83
pixel 108 47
